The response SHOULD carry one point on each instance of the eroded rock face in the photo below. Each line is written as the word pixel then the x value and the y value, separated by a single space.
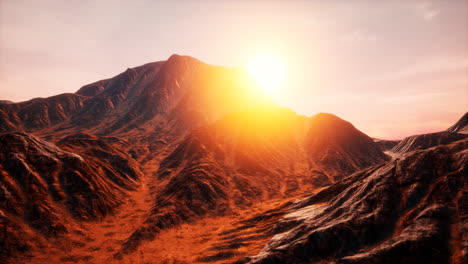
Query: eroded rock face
pixel 410 210
pixel 39 179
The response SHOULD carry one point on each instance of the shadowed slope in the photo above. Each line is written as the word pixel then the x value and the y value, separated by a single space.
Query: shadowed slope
pixel 38 180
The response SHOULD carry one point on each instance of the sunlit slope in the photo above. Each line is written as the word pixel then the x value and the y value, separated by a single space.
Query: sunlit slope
pixel 250 157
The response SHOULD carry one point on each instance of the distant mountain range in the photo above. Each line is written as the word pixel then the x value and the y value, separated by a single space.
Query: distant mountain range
pixel 171 145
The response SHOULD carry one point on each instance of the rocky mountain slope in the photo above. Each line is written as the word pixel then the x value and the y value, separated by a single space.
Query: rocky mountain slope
pixel 425 141
pixel 42 183
pixel 180 88
pixel 461 126
pixel 251 157
pixel 410 210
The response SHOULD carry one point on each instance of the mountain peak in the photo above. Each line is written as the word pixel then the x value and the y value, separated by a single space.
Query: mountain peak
pixel 331 124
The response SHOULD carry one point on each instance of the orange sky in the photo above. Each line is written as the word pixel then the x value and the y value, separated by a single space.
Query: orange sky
pixel 393 69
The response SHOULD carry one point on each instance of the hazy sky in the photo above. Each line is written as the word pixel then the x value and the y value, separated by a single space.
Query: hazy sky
pixel 393 69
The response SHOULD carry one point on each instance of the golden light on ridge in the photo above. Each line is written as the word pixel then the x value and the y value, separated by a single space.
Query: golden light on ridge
pixel 269 73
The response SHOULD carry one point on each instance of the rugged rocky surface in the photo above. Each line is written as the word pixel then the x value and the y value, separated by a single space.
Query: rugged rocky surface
pixel 41 183
pixel 410 210
pixel 461 126
pixel 250 157
pixel 39 113
pixel 425 141
pixel 155 105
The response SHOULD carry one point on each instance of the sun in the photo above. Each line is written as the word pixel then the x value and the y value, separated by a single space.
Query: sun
pixel 269 73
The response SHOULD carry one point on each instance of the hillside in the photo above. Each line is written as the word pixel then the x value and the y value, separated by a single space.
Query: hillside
pixel 399 212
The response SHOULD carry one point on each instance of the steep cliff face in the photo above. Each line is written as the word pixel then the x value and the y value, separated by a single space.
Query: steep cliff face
pixel 410 210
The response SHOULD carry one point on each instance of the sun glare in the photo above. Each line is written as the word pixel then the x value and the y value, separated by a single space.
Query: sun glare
pixel 269 73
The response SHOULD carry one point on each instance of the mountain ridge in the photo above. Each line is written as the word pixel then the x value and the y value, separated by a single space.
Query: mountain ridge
pixel 113 171
pixel 461 126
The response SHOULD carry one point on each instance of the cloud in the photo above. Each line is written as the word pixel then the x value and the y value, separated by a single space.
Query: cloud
pixel 427 11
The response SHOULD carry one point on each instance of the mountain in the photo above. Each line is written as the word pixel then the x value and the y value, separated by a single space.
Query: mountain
pixel 398 212
pixel 425 141
pixel 252 157
pixel 334 144
pixel 43 184
pixel 181 88
pixel 461 126
pixel 154 106
pixel 179 161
